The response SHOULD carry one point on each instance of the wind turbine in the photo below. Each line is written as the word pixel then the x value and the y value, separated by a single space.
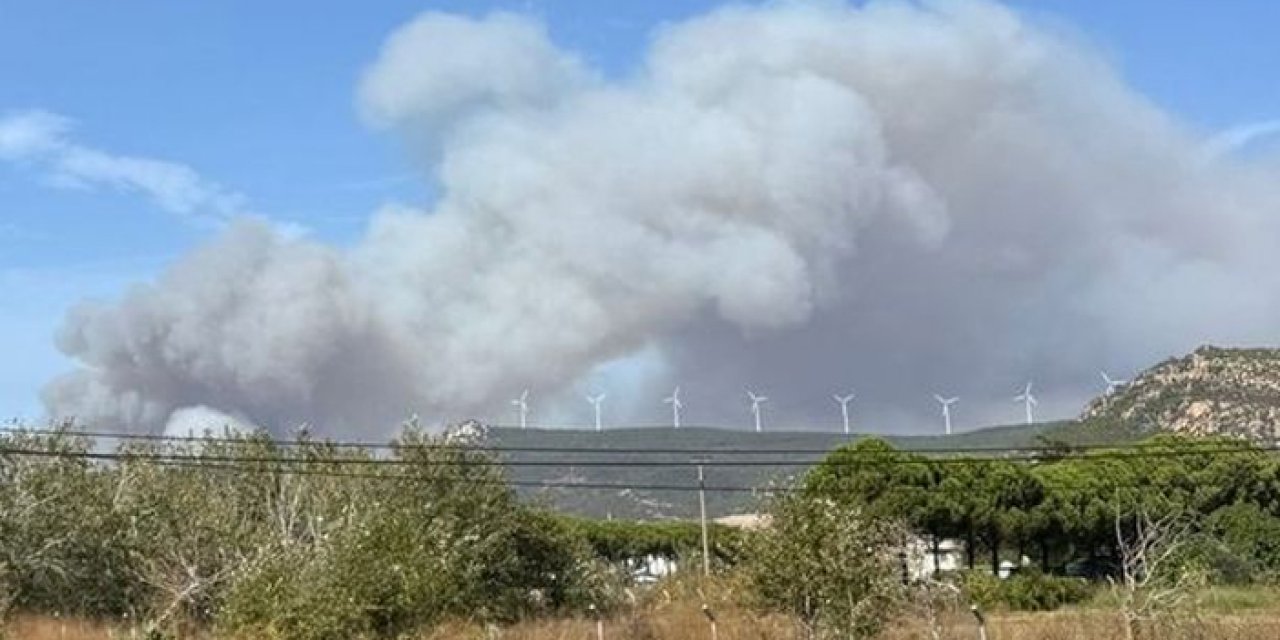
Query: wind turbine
pixel 522 407
pixel 844 409
pixel 1112 384
pixel 756 401
pixel 676 405
pixel 1029 400
pixel 946 409
pixel 595 403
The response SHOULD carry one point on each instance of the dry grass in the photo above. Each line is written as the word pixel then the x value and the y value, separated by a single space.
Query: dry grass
pixel 679 623
pixel 1100 625
pixel 687 623
pixel 674 615
pixel 40 628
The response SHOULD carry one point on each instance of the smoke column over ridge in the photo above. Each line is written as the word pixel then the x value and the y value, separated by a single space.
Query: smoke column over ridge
pixel 802 198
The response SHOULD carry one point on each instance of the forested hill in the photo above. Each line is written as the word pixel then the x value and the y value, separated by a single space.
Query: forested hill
pixel 1211 391
pixel 632 466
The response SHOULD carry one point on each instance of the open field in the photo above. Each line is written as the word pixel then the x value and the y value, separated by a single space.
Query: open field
pixel 686 622
pixel 673 612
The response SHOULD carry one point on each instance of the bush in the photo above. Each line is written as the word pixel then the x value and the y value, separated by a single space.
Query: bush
pixel 440 540
pixel 1242 544
pixel 1024 591
pixel 827 564
pixel 63 545
pixel 306 542
pixel 621 540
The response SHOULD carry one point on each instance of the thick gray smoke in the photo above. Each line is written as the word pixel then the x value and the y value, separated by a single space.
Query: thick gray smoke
pixel 800 198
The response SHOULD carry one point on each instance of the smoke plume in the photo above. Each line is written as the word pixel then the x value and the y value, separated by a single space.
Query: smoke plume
pixel 799 198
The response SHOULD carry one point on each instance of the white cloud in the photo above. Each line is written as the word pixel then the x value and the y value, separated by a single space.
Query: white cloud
pixel 503 62
pixel 1240 137
pixel 30 133
pixel 43 141
pixel 201 420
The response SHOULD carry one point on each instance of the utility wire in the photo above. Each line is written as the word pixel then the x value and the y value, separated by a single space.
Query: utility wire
pixel 289 466
pixel 889 458
pixel 386 446
pixel 1042 450
pixel 395 462
pixel 479 481
pixel 282 470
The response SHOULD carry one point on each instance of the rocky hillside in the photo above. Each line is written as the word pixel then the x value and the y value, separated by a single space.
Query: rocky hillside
pixel 1212 391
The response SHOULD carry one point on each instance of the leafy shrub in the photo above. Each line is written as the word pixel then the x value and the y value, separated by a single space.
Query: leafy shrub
pixel 827 564
pixel 306 542
pixel 447 540
pixel 1242 544
pixel 64 547
pixel 1025 591
pixel 619 540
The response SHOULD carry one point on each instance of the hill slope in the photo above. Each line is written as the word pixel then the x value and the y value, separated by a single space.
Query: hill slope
pixel 800 449
pixel 1212 391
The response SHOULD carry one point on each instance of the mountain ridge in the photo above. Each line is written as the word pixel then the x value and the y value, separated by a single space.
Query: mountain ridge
pixel 1212 391
pixel 684 447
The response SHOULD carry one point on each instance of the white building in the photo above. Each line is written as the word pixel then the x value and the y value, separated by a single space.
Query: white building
pixel 650 568
pixel 925 560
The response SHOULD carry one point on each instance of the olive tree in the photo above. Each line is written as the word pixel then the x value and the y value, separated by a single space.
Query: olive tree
pixel 834 568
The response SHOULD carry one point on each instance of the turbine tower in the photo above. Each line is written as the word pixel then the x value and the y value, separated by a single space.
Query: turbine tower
pixel 595 401
pixel 522 408
pixel 676 405
pixel 1029 400
pixel 946 410
pixel 756 401
pixel 844 409
pixel 1111 383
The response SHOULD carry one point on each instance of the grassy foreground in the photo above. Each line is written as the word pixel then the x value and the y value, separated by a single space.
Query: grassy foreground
pixel 684 622
pixel 673 612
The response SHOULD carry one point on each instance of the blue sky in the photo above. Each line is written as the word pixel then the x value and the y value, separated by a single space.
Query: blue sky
pixel 256 100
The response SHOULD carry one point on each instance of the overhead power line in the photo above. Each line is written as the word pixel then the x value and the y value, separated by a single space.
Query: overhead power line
pixel 887 457
pixel 410 471
pixel 284 469
pixel 1037 451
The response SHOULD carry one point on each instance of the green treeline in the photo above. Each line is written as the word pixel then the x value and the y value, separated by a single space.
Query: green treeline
pixel 622 540
pixel 246 537
pixel 268 541
pixel 1066 509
